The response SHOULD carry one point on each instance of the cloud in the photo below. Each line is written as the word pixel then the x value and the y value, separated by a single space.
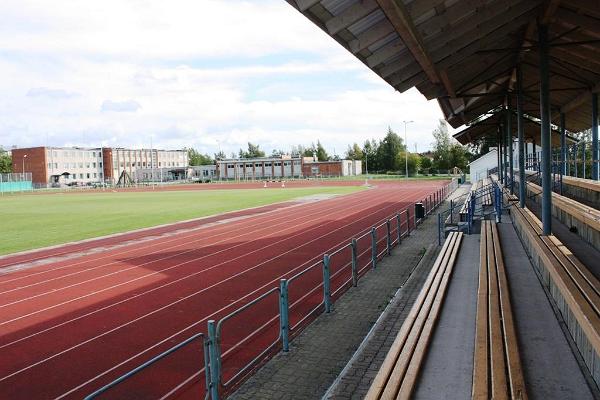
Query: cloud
pixel 51 93
pixel 120 106
pixel 208 73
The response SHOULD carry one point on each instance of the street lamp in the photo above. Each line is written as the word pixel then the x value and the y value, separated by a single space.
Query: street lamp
pixel 366 166
pixel 406 147
pixel 23 168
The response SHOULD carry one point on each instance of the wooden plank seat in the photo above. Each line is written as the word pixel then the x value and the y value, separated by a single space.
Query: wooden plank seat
pixel 497 370
pixel 588 215
pixel 463 214
pixel 574 288
pixel 398 374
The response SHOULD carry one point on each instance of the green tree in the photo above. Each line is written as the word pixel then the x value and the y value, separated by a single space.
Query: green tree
pixel 388 151
pixel 354 152
pixel 220 155
pixel 253 151
pixel 413 162
pixel 459 156
pixel 321 153
pixel 370 150
pixel 197 158
pixel 441 146
pixel 424 164
pixel 5 161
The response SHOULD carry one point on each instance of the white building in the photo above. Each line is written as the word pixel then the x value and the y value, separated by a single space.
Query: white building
pixel 478 169
pixel 284 166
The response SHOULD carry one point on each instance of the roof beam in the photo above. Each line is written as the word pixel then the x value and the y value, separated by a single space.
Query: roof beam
pixel 385 53
pixel 304 5
pixel 352 14
pixel 579 100
pixel 370 36
pixel 398 16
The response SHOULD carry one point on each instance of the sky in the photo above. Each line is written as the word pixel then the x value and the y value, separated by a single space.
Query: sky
pixel 189 73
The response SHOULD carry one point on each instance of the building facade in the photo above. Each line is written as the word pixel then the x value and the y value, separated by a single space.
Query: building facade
pixel 284 166
pixel 334 168
pixel 58 166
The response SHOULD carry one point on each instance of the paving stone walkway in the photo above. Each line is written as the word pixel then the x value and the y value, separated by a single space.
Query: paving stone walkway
pixel 318 361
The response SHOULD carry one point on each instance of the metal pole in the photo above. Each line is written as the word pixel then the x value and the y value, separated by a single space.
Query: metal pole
pixel 440 229
pixel 326 284
pixel 214 360
pixel 374 247
pixel 583 159
pixel 389 236
pixel 500 156
pixel 545 130
pixel 575 160
pixel 399 222
pixel 284 319
pixel 520 134
pixel 353 246
pixel 595 171
pixel 509 141
pixel 406 147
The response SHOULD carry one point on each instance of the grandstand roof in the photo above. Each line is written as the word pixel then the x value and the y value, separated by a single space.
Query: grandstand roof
pixel 464 53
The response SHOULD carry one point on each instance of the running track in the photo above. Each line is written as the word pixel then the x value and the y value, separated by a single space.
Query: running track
pixel 70 326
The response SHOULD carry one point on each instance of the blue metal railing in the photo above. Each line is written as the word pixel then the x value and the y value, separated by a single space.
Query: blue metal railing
pixel 124 377
pixel 394 228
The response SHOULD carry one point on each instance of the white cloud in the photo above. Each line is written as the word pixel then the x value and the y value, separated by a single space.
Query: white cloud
pixel 189 73
pixel 120 106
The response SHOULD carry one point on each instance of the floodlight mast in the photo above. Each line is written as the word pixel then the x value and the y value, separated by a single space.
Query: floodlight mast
pixel 406 147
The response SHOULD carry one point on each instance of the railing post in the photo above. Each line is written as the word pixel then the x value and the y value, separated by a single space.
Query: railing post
pixel 440 228
pixel 353 246
pixel 399 222
pixel 451 211
pixel 284 319
pixel 389 236
pixel 214 360
pixel 408 221
pixel 374 247
pixel 326 284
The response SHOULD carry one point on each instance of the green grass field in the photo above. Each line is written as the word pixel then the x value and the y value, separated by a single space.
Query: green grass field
pixel 33 221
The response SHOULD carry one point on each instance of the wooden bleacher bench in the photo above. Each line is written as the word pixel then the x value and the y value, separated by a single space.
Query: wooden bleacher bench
pixel 574 288
pixel 398 374
pixel 497 370
pixel 463 214
pixel 588 215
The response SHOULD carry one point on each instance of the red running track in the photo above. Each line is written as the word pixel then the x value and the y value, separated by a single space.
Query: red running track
pixel 68 327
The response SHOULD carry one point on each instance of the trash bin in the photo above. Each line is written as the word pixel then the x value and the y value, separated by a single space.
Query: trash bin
pixel 419 211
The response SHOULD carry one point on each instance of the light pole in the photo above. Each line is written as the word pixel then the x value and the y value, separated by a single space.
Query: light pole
pixel 23 168
pixel 366 166
pixel 406 147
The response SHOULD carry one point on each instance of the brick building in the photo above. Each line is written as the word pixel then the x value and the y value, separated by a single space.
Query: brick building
pixel 79 165
pixel 331 168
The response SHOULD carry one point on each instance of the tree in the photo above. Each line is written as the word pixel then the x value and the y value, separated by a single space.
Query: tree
pixel 370 149
pixel 220 155
pixel 388 151
pixel 5 161
pixel 254 151
pixel 277 153
pixel 197 158
pixel 424 164
pixel 321 153
pixel 413 162
pixel 354 152
pixel 441 147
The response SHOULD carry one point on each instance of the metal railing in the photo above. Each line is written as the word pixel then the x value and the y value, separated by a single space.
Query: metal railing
pixel 126 376
pixel 277 315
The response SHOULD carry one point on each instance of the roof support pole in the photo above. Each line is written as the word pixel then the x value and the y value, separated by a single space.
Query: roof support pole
pixel 520 135
pixel 500 154
pixel 509 143
pixel 595 172
pixel 545 131
pixel 563 151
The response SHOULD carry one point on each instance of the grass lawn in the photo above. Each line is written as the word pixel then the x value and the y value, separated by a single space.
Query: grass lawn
pixel 33 221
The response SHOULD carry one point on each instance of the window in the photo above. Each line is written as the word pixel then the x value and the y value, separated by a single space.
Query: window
pixel 55 165
pixel 88 175
pixel 267 164
pixel 94 154
pixel 87 165
pixel 278 164
pixel 80 165
pixel 80 176
pixel 229 166
pixel 100 165
pixel 286 163
pixel 94 165
pixel 257 165
pixel 49 165
pixel 248 165
pixel 95 175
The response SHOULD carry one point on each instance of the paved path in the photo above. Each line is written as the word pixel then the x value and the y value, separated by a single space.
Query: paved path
pixel 323 351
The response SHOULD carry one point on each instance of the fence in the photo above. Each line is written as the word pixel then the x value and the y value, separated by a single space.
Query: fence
pixel 15 182
pixel 238 342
